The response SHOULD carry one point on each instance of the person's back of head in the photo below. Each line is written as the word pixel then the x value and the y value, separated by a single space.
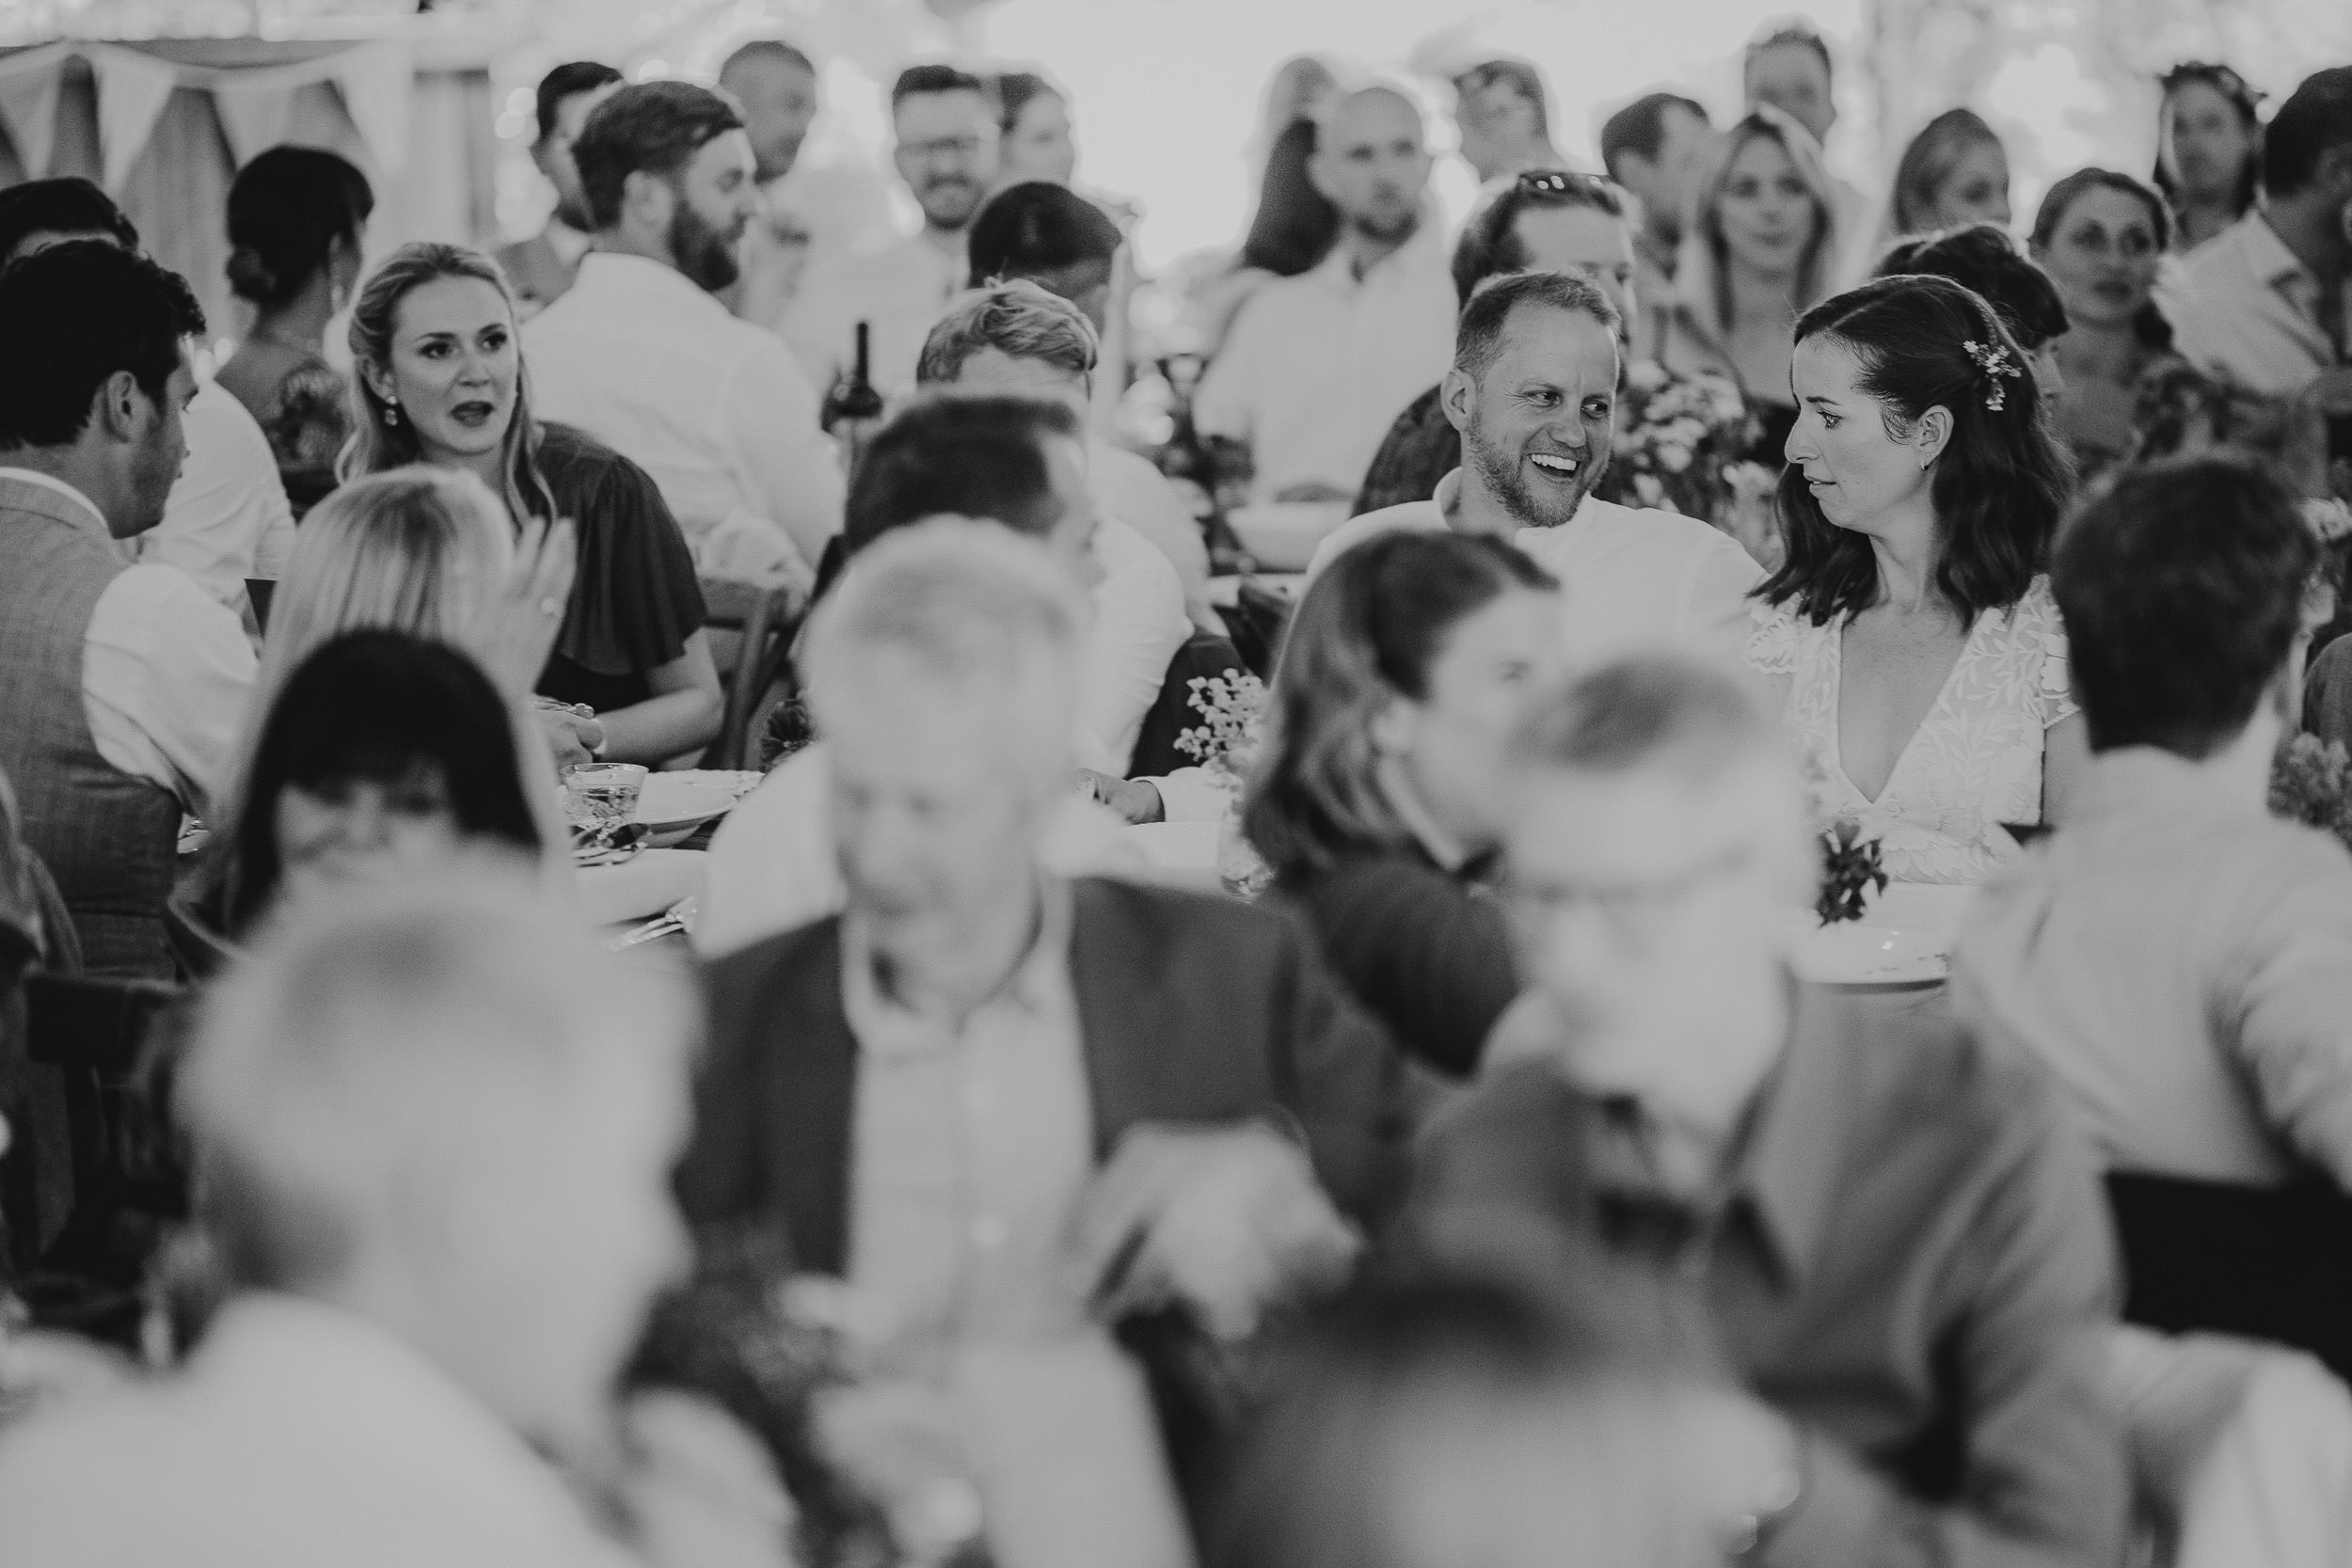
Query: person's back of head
pixel 1457 1417
pixel 568 80
pixel 1982 256
pixel 1048 234
pixel 917 81
pixel 98 335
pixel 1295 222
pixel 1928 161
pixel 1640 128
pixel 1491 244
pixel 66 207
pixel 1021 321
pixel 416 549
pixel 291 211
pixel 441 1106
pixel 652 128
pixel 397 751
pixel 2308 144
pixel 2184 587
pixel 961 455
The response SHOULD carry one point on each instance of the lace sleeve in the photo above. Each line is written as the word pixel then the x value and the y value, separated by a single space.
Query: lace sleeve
pixel 1772 637
pixel 2039 622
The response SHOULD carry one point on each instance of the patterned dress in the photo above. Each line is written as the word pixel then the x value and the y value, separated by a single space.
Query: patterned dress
pixel 1974 761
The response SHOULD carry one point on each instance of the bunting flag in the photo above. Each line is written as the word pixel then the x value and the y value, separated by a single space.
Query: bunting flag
pixel 253 116
pixel 376 80
pixel 133 88
pixel 28 103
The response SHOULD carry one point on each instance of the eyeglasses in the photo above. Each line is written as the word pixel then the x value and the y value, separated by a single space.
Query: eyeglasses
pixel 961 148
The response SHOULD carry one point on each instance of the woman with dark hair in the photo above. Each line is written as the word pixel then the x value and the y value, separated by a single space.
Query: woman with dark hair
pixel 1983 257
pixel 297 219
pixel 1912 629
pixel 1292 224
pixel 2101 235
pixel 1954 172
pixel 2208 150
pixel 1375 797
pixel 1033 120
pixel 381 752
pixel 441 382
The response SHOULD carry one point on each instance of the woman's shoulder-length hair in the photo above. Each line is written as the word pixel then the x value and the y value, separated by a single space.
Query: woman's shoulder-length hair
pixel 2000 485
pixel 1365 634
pixel 1702 272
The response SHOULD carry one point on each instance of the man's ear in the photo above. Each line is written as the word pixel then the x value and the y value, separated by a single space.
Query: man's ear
pixel 120 406
pixel 1457 396
pixel 648 201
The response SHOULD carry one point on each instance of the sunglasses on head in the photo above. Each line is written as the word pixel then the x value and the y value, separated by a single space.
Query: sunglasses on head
pixel 1562 184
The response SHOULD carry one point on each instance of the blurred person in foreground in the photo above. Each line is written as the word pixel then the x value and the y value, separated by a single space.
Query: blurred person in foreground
pixel 1449 1418
pixel 1008 1107
pixel 2264 301
pixel 642 357
pixel 541 269
pixel 1545 220
pixel 122 688
pixel 1316 366
pixel 2179 956
pixel 1373 798
pixel 1894 1229
pixel 226 519
pixel 434 1128
pixel 1533 395
pixel 944 122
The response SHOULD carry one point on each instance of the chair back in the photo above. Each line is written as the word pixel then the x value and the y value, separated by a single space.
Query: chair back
pixel 752 626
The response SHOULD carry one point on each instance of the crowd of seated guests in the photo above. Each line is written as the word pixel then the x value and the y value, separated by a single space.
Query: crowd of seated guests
pixel 1490 1186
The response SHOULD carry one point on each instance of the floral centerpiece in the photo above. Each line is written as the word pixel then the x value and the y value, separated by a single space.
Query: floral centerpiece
pixel 1850 868
pixel 1224 744
pixel 1678 437
pixel 2311 783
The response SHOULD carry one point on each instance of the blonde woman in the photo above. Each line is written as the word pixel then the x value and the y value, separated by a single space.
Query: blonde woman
pixel 441 380
pixel 1759 251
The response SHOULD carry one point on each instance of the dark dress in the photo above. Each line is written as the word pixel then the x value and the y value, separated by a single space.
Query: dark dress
pixel 1426 951
pixel 306 418
pixel 636 600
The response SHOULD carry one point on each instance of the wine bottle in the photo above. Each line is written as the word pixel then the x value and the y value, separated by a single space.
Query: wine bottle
pixel 853 405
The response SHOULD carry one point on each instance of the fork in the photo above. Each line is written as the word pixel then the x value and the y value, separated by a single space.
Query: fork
pixel 677 917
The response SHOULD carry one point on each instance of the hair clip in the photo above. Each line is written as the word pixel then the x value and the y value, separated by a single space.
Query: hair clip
pixel 1997 366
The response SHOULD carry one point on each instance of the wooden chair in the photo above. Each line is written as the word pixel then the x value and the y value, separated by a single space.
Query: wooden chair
pixel 751 629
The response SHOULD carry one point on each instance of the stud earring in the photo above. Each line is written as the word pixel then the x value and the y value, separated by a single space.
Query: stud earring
pixel 391 416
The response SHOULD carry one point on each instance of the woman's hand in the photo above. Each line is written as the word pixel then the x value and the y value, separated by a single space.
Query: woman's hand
pixel 1134 800
pixel 516 630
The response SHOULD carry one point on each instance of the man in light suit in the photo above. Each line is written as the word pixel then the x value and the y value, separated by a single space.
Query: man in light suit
pixel 542 267
pixel 1009 1108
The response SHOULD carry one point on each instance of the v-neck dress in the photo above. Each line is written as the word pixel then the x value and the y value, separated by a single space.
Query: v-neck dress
pixel 1974 763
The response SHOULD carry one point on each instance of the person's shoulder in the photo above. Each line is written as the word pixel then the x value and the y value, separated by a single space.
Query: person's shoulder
pixel 1409 516
pixel 1178 926
pixel 216 415
pixel 572 458
pixel 1660 530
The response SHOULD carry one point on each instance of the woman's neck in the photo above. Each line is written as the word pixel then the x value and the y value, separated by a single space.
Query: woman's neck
pixel 1906 558
pixel 2107 351
pixel 1759 298
pixel 300 323
pixel 2201 218
pixel 488 467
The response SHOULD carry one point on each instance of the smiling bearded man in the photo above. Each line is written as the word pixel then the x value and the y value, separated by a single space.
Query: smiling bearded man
pixel 1534 393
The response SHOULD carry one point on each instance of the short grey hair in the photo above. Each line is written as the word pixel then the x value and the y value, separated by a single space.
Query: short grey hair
pixel 976 606
pixel 1019 319
pixel 1654 710
pixel 415 1034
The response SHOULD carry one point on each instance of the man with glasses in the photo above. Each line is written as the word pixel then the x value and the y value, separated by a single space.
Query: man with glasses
pixel 1503 122
pixel 1316 366
pixel 946 123
pixel 1893 1232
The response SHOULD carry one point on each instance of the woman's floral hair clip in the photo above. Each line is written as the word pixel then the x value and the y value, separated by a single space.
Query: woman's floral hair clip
pixel 1997 366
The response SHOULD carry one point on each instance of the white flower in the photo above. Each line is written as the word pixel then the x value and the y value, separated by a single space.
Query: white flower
pixel 1673 459
pixel 1645 375
pixel 1648 490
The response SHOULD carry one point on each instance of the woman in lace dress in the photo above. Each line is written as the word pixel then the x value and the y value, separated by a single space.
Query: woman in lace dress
pixel 1911 628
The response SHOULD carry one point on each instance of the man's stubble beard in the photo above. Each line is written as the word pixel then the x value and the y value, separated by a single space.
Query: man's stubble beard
pixel 702 254
pixel 1500 472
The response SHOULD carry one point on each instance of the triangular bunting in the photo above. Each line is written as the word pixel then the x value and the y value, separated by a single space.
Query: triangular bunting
pixel 253 118
pixel 133 89
pixel 375 80
pixel 28 103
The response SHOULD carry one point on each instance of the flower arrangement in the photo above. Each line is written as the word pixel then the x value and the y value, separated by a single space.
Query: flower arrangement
pixel 1677 437
pixel 1234 710
pixel 1849 867
pixel 2311 783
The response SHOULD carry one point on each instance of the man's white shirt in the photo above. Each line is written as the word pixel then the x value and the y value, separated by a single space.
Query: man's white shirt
pixel 226 504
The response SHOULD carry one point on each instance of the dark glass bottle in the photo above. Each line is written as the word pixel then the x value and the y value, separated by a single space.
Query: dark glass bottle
pixel 853 405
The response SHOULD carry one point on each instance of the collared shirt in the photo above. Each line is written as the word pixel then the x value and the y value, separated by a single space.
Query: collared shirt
pixel 1129 488
pixel 226 503
pixel 1633 580
pixel 1317 367
pixel 714 408
pixel 971 1145
pixel 2246 305
pixel 1139 623
pixel 298 1435
pixel 898 290
pixel 2182 961
pixel 165 671
pixel 1909 1258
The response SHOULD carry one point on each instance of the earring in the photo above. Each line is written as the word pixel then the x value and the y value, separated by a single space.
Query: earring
pixel 391 416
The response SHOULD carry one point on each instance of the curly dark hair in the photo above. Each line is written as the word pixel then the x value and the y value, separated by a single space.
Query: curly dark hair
pixel 2000 487
pixel 1983 257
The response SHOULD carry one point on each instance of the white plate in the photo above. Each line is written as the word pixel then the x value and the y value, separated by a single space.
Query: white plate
pixel 647 885
pixel 674 808
pixel 1865 954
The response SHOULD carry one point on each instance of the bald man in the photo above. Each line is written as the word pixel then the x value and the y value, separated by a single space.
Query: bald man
pixel 1317 366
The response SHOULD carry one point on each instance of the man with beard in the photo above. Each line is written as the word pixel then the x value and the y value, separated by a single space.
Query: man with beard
pixel 1316 366
pixel 946 123
pixel 1534 393
pixel 541 267
pixel 642 357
